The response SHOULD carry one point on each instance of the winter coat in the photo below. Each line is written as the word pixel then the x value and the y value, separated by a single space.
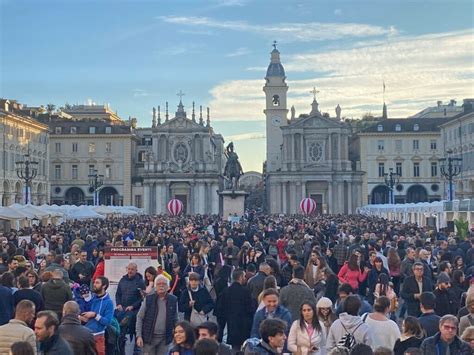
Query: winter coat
pixel 55 346
pixel 446 302
pixel 54 266
pixel 466 321
pixel 128 291
pixel 99 270
pixel 235 306
pixel 31 295
pixel 434 345
pixel 299 339
pixel 15 330
pixel 430 323
pixel 402 345
pixel 352 277
pixel 409 289
pixel 280 312
pixel 79 337
pixel 55 293
pixel 255 285
pixel 104 309
pixel 86 269
pixel 6 304
pixel 294 295
pixel 203 302
pixel 352 324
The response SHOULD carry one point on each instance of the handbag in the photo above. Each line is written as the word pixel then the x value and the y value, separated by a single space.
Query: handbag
pixel 196 317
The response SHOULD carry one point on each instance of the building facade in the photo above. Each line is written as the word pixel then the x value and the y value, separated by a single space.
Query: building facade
pixel 307 156
pixel 22 135
pixel 457 137
pixel 87 140
pixel 179 158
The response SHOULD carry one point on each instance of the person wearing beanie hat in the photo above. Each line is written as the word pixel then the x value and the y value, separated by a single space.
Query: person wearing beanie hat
pixel 326 316
pixel 446 302
pixel 467 320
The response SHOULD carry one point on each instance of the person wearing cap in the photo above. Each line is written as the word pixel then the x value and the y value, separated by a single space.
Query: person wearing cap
pixel 197 297
pixel 446 302
pixel 326 315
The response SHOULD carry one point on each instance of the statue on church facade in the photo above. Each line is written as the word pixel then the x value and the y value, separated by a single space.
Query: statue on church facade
pixel 233 169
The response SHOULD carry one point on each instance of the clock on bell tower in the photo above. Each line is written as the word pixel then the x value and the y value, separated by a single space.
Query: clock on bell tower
pixel 275 109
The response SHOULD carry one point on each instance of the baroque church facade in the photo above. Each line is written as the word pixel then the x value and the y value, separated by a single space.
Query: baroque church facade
pixel 179 158
pixel 307 156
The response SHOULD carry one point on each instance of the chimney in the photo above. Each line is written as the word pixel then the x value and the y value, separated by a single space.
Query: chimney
pixel 452 102
pixel 439 103
pixel 468 105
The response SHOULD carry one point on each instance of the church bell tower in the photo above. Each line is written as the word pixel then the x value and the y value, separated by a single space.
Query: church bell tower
pixel 275 110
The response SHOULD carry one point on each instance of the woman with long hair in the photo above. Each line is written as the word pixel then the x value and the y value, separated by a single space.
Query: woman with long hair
pixel 325 314
pixel 459 263
pixel 315 267
pixel 150 275
pixel 194 266
pixel 306 335
pixel 184 339
pixel 351 272
pixel 412 335
pixel 33 280
pixel 394 263
pixel 374 276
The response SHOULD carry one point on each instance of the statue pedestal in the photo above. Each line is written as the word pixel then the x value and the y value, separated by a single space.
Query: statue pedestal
pixel 233 203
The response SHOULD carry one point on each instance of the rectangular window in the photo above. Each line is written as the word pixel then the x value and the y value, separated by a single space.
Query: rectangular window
pixel 91 147
pixel 57 172
pixel 74 172
pixel 416 144
pixel 73 130
pixel 91 169
pixel 433 144
pixel 108 147
pixel 57 147
pixel 380 145
pixel 141 156
pixel 91 130
pixel 108 130
pixel 398 145
pixel 434 168
pixel 138 201
pixel 398 169
pixel 74 147
pixel 416 169
pixel 381 169
pixel 108 171
pixel 58 130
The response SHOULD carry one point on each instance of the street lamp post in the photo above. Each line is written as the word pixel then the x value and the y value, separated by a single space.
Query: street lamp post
pixel 450 167
pixel 391 179
pixel 95 182
pixel 27 170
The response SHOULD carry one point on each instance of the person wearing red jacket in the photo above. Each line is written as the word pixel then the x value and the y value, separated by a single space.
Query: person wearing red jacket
pixel 99 269
pixel 350 273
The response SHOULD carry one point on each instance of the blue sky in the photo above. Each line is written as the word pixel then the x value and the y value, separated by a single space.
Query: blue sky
pixel 139 54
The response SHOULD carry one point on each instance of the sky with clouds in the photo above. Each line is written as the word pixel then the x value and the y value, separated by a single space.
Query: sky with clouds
pixel 139 54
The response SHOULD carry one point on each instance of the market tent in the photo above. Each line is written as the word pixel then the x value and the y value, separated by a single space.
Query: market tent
pixel 11 213
pixel 83 212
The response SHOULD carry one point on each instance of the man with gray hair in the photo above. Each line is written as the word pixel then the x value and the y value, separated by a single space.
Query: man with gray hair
pixel 255 284
pixel 79 337
pixel 55 293
pixel 446 341
pixel 157 318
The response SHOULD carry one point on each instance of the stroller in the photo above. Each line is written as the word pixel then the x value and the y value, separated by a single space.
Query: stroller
pixel 115 337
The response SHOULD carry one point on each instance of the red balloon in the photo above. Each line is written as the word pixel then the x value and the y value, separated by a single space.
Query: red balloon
pixel 307 205
pixel 175 207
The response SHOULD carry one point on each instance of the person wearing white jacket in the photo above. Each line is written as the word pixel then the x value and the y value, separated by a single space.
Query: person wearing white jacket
pixel 349 322
pixel 306 336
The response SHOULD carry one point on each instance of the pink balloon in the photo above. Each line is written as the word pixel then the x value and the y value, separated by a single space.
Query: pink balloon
pixel 175 207
pixel 307 205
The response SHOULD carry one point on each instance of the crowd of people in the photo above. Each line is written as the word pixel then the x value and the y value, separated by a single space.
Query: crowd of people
pixel 321 285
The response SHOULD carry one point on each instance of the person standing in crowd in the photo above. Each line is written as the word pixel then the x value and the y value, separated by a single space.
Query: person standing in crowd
pixel 58 264
pixel 195 299
pixel 445 299
pixel 446 341
pixel 56 293
pixel 428 319
pixel 26 293
pixel 373 276
pixel 306 334
pixel 184 339
pixel 413 287
pixel 346 290
pixel 230 253
pixel 272 309
pixel 296 293
pixel 18 328
pixel 79 337
pixel 349 323
pixel 326 315
pixel 46 331
pixel 82 270
pixel 411 337
pixel 128 297
pixel 385 331
pixel 6 304
pixel 255 284
pixel 236 308
pixel 350 273
pixel 157 318
pixel 100 314
pixel 341 250
pixel 210 330
pixel 272 338
pixel 467 320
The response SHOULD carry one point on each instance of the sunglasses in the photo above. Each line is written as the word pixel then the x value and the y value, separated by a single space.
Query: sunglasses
pixel 448 327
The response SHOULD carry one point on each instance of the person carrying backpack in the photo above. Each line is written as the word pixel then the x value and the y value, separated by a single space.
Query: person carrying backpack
pixel 349 329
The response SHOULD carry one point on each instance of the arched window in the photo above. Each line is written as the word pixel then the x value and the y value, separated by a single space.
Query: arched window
pixel 398 127
pixel 380 128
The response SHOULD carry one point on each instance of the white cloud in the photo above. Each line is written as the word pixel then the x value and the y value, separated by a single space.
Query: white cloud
pixel 338 12
pixel 140 93
pixel 300 32
pixel 417 71
pixel 180 49
pixel 239 52
pixel 245 136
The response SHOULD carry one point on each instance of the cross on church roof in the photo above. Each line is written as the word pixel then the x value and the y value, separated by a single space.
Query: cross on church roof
pixel 314 92
pixel 180 94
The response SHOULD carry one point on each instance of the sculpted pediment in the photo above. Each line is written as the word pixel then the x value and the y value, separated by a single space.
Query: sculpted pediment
pixel 181 123
pixel 316 122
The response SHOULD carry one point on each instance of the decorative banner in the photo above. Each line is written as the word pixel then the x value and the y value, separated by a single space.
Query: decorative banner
pixel 175 207
pixel 307 205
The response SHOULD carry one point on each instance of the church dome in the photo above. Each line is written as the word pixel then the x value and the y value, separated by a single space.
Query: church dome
pixel 275 68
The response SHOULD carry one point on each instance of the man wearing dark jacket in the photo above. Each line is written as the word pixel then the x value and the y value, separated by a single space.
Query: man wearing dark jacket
pixel 79 337
pixel 413 287
pixel 83 270
pixel 46 331
pixel 255 284
pixel 55 293
pixel 446 341
pixel 234 305
pixel 429 320
pixel 446 302
pixel 157 318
